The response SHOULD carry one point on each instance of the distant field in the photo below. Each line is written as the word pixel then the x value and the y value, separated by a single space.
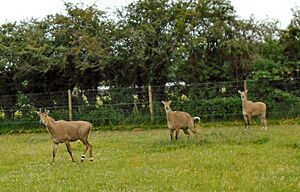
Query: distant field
pixel 218 159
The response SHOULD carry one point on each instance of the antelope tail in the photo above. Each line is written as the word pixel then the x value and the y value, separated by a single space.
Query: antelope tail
pixel 91 127
pixel 197 118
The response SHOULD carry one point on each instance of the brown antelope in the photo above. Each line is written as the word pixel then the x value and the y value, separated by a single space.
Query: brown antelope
pixel 179 120
pixel 67 131
pixel 253 109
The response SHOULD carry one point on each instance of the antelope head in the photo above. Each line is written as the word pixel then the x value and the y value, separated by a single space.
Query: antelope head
pixel 167 105
pixel 243 94
pixel 43 117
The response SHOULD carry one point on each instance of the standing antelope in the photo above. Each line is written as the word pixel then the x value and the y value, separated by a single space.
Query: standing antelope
pixel 253 109
pixel 67 131
pixel 179 120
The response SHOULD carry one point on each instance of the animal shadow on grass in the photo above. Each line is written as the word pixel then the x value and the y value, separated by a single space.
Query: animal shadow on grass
pixel 237 137
pixel 294 145
pixel 214 137
pixel 167 146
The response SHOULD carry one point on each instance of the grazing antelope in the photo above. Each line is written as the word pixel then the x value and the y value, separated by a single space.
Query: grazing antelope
pixel 179 120
pixel 67 131
pixel 253 109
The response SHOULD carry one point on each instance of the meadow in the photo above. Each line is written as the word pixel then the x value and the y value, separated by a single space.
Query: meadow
pixel 217 159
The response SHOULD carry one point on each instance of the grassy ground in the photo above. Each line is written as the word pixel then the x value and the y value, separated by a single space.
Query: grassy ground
pixel 218 159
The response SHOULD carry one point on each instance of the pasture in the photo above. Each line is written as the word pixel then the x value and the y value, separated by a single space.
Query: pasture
pixel 218 159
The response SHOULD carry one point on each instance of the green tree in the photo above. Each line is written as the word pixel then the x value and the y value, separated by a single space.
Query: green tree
pixel 7 68
pixel 205 26
pixel 265 51
pixel 8 47
pixel 290 40
pixel 147 42
pixel 84 36
pixel 278 51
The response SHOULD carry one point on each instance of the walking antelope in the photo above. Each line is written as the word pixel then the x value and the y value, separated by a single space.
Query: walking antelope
pixel 67 131
pixel 179 120
pixel 253 109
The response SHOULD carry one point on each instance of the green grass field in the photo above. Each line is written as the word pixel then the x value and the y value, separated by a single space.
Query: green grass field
pixel 218 159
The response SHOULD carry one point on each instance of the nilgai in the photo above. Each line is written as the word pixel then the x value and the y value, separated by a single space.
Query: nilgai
pixel 67 131
pixel 253 109
pixel 179 120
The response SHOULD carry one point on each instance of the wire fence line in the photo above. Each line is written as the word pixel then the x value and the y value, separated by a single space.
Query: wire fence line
pixel 110 106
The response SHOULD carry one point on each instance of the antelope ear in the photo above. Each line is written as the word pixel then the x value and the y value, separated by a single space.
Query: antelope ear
pixel 246 91
pixel 163 102
pixel 170 101
pixel 239 92
pixel 47 112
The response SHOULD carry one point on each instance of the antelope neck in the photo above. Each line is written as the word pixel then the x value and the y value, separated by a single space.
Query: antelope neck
pixel 244 101
pixel 49 121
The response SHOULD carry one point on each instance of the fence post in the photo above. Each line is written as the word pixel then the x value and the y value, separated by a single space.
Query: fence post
pixel 150 102
pixel 245 85
pixel 70 104
pixel 135 107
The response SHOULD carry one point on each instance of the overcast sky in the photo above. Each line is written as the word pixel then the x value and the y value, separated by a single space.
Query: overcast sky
pixel 17 10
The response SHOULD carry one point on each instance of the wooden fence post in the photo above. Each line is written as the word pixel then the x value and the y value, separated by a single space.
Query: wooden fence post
pixel 70 104
pixel 245 85
pixel 150 102
pixel 135 107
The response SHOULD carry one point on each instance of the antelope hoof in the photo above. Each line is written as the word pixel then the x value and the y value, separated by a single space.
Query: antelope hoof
pixel 82 158
pixel 91 159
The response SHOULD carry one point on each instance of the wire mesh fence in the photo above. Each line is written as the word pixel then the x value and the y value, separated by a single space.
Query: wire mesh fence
pixel 115 106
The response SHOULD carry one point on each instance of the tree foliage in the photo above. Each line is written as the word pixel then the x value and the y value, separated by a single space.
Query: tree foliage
pixel 151 42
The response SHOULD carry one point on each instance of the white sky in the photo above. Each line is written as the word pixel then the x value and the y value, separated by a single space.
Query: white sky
pixel 267 9
pixel 17 10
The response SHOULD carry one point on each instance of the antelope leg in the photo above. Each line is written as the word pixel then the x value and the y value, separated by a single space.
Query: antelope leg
pixel 54 149
pixel 69 149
